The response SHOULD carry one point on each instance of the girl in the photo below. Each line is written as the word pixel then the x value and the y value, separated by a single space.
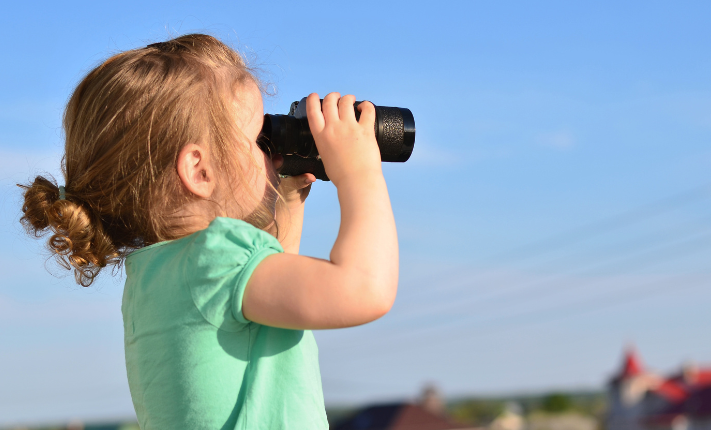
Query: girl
pixel 162 171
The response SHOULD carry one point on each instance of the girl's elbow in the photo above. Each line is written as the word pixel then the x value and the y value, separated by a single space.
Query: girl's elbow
pixel 383 298
pixel 382 309
pixel 369 297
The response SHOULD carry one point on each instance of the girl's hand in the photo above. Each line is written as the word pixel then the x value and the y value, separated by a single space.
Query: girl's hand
pixel 294 189
pixel 347 147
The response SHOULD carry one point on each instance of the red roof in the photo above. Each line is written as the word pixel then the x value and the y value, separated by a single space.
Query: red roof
pixel 693 401
pixel 694 378
pixel 632 365
pixel 700 377
pixel 396 416
pixel 672 390
pixel 703 377
pixel 414 417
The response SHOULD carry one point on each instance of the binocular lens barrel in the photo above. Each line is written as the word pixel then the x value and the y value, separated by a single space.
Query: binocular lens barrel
pixel 290 136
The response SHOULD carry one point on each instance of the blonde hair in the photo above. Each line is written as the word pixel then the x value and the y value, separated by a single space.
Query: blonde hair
pixel 124 127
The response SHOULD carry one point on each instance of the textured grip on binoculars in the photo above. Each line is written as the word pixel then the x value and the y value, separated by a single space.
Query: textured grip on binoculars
pixel 389 132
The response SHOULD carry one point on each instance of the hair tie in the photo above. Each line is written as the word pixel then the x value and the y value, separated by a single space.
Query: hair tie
pixel 62 193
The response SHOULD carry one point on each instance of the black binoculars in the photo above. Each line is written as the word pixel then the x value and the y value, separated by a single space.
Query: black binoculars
pixel 290 136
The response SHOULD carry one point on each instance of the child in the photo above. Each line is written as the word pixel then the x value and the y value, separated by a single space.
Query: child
pixel 162 171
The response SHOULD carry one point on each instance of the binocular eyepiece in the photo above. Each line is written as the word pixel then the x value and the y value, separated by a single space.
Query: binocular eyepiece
pixel 290 136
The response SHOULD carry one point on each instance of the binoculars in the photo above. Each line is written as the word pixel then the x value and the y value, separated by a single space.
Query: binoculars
pixel 290 136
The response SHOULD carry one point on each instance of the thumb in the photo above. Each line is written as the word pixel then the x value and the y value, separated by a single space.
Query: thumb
pixel 297 182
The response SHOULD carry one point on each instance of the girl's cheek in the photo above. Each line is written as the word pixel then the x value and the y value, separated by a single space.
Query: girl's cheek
pixel 268 167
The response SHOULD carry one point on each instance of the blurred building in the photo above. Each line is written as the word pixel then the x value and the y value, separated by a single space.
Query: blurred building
pixel 427 414
pixel 510 419
pixel 643 400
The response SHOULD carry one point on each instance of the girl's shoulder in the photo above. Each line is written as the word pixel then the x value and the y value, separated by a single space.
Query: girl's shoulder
pixel 228 233
pixel 212 266
pixel 221 232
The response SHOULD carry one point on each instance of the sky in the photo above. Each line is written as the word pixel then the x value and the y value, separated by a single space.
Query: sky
pixel 555 210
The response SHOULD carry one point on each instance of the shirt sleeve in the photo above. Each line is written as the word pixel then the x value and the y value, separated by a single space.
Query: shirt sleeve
pixel 218 265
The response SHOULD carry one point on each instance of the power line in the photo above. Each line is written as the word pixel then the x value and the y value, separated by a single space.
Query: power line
pixel 647 211
pixel 701 241
pixel 558 241
pixel 613 223
pixel 498 325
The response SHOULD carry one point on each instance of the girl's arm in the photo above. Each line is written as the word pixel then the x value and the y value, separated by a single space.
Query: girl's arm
pixel 358 283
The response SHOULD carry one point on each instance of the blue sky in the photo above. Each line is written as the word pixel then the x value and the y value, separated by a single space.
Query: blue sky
pixel 556 206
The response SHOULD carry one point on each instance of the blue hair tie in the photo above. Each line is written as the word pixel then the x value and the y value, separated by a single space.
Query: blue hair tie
pixel 62 193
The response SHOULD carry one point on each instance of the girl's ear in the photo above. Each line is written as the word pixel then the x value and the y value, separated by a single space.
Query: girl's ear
pixel 195 170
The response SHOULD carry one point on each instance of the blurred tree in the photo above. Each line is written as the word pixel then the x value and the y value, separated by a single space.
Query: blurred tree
pixel 478 412
pixel 556 402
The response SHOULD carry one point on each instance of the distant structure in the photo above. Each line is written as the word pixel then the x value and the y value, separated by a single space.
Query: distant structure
pixel 643 400
pixel 510 419
pixel 427 414
pixel 431 400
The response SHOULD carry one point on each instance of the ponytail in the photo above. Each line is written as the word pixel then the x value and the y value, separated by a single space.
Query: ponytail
pixel 77 240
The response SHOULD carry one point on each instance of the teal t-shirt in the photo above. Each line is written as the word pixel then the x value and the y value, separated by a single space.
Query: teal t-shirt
pixel 193 360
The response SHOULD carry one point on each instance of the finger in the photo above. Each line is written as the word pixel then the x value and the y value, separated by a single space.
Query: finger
pixel 330 107
pixel 367 114
pixel 313 113
pixel 309 179
pixel 302 181
pixel 297 182
pixel 345 107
